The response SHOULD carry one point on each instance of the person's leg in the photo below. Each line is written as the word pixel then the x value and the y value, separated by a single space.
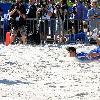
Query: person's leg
pixel 46 30
pixel 98 40
pixel 24 40
pixel 80 26
pixel 1 35
pixel 76 26
pixel 53 27
pixel 23 34
pixel 94 55
pixel 41 31
pixel 13 35
pixel 35 26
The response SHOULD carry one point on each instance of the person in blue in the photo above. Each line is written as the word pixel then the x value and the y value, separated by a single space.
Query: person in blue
pixel 92 55
pixel 94 16
pixel 78 13
pixel 17 14
pixel 5 6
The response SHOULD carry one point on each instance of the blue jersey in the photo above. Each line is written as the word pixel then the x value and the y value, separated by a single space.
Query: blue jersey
pixel 84 56
pixel 96 50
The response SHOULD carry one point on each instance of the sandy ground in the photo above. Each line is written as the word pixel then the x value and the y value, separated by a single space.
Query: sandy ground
pixel 47 73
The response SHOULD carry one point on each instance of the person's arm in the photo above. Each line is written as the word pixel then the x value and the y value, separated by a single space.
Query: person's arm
pixel 93 15
pixel 93 55
pixel 50 11
pixel 90 15
pixel 22 12
pixel 12 12
pixel 98 16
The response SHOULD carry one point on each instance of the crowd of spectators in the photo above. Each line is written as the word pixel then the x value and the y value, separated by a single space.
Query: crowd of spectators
pixel 36 20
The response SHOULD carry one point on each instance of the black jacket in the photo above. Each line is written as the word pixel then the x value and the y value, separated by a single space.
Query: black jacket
pixel 32 11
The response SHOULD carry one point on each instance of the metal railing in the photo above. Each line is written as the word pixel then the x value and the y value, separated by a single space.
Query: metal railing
pixel 67 31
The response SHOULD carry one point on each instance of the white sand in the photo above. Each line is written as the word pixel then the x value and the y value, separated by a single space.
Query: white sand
pixel 46 73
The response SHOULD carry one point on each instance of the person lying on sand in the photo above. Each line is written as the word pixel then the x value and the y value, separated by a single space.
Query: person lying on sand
pixel 93 54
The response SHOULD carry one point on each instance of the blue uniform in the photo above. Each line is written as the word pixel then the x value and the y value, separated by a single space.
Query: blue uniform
pixel 97 50
pixel 84 56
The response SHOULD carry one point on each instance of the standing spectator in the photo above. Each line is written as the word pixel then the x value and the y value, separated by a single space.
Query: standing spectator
pixel 31 24
pixel 52 14
pixel 17 14
pixel 44 23
pixel 5 5
pixel 31 13
pixel 78 12
pixel 65 15
pixel 94 17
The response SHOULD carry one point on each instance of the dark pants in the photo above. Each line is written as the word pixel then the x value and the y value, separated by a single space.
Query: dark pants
pixel 1 32
pixel 53 27
pixel 32 35
pixel 1 35
pixel 31 26
pixel 78 26
pixel 67 25
pixel 43 29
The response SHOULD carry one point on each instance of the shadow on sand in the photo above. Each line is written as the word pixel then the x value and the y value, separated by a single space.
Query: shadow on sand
pixel 11 82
